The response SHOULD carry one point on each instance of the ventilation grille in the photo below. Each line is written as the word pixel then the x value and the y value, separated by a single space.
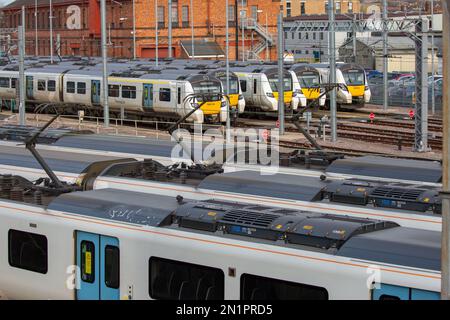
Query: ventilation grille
pixel 254 219
pixel 397 193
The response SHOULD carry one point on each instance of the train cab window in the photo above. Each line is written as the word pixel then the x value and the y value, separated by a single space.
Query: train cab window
pixel 129 92
pixel 4 82
pixel 51 85
pixel 112 263
pixel 243 85
pixel 175 280
pixel 87 261
pixel 70 87
pixel 113 91
pixel 28 251
pixel 81 87
pixel 261 288
pixel 42 85
pixel 164 94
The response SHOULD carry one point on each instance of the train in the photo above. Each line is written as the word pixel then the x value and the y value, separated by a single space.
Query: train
pixel 113 244
pixel 259 85
pixel 354 91
pixel 309 83
pixel 144 90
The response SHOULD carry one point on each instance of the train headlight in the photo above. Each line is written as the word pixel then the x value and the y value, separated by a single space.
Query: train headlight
pixel 270 95
pixel 224 104
pixel 366 88
pixel 241 97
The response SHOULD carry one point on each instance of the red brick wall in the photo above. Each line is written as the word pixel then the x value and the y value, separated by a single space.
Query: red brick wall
pixel 209 22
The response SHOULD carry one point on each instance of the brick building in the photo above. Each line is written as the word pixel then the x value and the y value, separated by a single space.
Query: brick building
pixel 77 22
pixel 293 8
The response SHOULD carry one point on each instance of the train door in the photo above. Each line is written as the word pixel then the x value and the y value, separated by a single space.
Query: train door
pixel 180 97
pixel 147 96
pixel 95 91
pixel 391 292
pixel 97 258
pixel 29 85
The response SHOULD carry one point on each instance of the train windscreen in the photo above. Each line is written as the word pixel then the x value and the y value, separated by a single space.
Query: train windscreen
pixel 354 77
pixel 234 85
pixel 309 79
pixel 207 87
pixel 273 81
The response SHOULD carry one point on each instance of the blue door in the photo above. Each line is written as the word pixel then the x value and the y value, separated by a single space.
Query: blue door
pixel 95 91
pixel 147 96
pixel 29 85
pixel 98 259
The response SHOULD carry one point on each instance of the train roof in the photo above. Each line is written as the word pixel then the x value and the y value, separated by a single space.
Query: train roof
pixel 383 167
pixel 276 185
pixel 366 239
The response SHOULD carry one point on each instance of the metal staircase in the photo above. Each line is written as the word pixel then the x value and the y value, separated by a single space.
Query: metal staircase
pixel 267 40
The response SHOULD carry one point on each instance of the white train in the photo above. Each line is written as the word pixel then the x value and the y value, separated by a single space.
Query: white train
pixel 308 83
pixel 142 90
pixel 110 244
pixel 355 91
pixel 259 85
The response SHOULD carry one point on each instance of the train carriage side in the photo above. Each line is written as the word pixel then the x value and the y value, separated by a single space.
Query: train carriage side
pixel 83 87
pixel 8 81
pixel 133 256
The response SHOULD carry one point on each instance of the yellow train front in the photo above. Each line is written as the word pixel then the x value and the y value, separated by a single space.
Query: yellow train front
pixel 355 79
pixel 309 82
pixel 235 96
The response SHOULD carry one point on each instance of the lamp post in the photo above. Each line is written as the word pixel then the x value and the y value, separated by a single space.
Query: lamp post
pixel 243 15
pixel 36 49
pixel 51 32
pixel 134 30
pixel 156 35
pixel 192 31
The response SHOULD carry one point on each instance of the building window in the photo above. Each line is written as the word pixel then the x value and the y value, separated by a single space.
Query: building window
pixel 288 9
pixel 175 280
pixel 338 7
pixel 129 92
pixel 51 85
pixel 326 6
pixel 321 36
pixel 350 7
pixel 28 251
pixel 302 8
pixel 113 90
pixel 314 36
pixel 306 35
pixel 81 88
pixel 262 288
pixel 161 17
pixel 299 35
pixel 175 18
pixel 254 12
pixel 164 94
pixel 185 16
pixel 231 15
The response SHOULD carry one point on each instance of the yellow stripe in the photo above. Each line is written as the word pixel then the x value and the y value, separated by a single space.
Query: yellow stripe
pixel 211 107
pixel 287 96
pixel 128 80
pixel 234 100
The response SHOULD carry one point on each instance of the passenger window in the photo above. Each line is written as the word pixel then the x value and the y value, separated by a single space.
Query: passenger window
pixel 262 288
pixel 81 87
pixel 28 251
pixel 129 92
pixel 243 85
pixel 13 83
pixel 164 94
pixel 41 85
pixel 70 87
pixel 4 82
pixel 175 280
pixel 51 85
pixel 113 90
pixel 87 261
pixel 112 263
